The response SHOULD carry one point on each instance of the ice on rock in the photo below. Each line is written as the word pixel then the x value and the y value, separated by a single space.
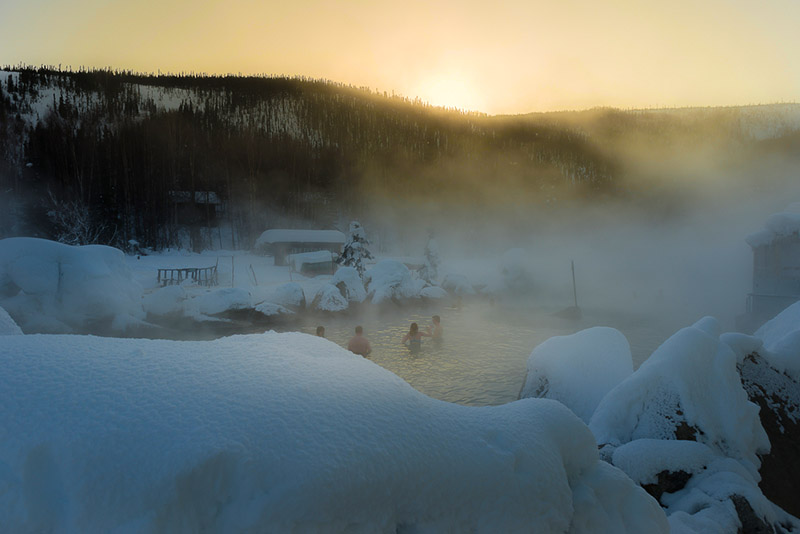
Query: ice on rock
pixel 282 433
pixel 289 295
pixel 218 301
pixel 457 284
pixel 580 369
pixel 52 287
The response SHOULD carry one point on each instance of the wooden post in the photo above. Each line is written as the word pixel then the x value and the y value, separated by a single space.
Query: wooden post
pixel 254 274
pixel 574 289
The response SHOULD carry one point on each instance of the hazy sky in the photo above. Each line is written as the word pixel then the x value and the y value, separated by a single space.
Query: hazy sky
pixel 497 57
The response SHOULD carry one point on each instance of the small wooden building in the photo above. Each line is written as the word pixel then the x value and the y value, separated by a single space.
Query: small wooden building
pixel 281 243
pixel 776 269
pixel 201 210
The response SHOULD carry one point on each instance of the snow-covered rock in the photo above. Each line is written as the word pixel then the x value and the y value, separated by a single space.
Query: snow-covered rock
pixel 580 369
pixel 433 292
pixel 388 280
pixel 330 298
pixel 349 282
pixel 779 225
pixel 289 295
pixel 271 433
pixel 271 309
pixel 457 284
pixel 689 384
pixel 51 287
pixel 7 325
pixel 781 338
pixel 218 301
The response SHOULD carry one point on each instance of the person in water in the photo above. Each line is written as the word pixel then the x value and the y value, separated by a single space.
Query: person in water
pixel 436 331
pixel 414 337
pixel 359 344
pixel 321 331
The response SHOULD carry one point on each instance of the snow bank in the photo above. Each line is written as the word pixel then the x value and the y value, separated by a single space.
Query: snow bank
pixel 52 287
pixel 433 292
pixel 390 279
pixel 781 338
pixel 283 433
pixel 692 380
pixel 578 370
pixel 7 325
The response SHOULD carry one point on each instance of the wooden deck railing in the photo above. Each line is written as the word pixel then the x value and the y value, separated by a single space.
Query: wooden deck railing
pixel 203 276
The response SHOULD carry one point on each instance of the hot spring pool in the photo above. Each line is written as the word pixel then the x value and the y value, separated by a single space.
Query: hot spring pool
pixel 481 359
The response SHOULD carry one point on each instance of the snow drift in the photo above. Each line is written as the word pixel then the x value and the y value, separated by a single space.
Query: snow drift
pixel 282 432
pixel 51 287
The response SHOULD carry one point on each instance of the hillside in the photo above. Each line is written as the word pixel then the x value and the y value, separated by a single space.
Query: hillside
pixel 117 154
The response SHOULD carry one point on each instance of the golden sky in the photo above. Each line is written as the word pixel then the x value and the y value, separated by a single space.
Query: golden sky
pixel 496 57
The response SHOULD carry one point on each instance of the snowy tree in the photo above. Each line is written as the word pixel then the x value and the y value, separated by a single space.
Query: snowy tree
pixel 430 271
pixel 355 251
pixel 72 222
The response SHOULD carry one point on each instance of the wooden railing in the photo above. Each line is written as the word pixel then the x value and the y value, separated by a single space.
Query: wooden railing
pixel 203 276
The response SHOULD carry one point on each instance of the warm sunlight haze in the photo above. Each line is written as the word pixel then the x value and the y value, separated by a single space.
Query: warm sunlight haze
pixel 507 57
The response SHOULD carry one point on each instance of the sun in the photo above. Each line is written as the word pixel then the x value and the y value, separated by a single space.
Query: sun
pixel 450 92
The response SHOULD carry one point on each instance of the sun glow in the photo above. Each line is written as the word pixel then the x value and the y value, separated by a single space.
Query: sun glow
pixel 450 92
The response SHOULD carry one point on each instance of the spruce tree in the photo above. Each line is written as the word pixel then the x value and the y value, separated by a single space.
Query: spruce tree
pixel 430 271
pixel 355 250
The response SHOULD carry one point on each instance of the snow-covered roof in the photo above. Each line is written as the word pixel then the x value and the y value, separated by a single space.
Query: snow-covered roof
pixel 300 236
pixel 778 225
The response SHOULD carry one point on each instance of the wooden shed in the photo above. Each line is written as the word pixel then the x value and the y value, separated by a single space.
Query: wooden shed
pixel 282 242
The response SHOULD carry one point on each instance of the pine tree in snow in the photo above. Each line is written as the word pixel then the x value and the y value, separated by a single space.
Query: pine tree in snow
pixel 355 251
pixel 430 271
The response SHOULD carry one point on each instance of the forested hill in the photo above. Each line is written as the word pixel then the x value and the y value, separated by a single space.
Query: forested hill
pixel 120 148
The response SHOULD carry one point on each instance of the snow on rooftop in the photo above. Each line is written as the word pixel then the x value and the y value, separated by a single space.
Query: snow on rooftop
pixel 286 433
pixel 781 337
pixel 300 236
pixel 783 224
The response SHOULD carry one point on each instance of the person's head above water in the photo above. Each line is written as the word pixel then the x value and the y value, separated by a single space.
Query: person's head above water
pixel 321 331
pixel 436 319
pixel 359 330
pixel 414 328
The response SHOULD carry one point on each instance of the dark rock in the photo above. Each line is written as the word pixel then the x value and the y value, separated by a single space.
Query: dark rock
pixel 751 523
pixel 778 396
pixel 668 482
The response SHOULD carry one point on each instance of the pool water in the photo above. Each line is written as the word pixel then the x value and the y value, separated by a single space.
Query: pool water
pixel 481 359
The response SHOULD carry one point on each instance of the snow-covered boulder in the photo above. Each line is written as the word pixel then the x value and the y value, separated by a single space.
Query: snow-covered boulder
pixel 270 433
pixel 349 284
pixel 688 389
pixel 781 338
pixel 289 295
pixel 7 325
pixel 218 301
pixel 580 369
pixel 165 301
pixel 433 293
pixel 270 309
pixel 52 287
pixel 330 298
pixel 457 284
pixel 390 280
